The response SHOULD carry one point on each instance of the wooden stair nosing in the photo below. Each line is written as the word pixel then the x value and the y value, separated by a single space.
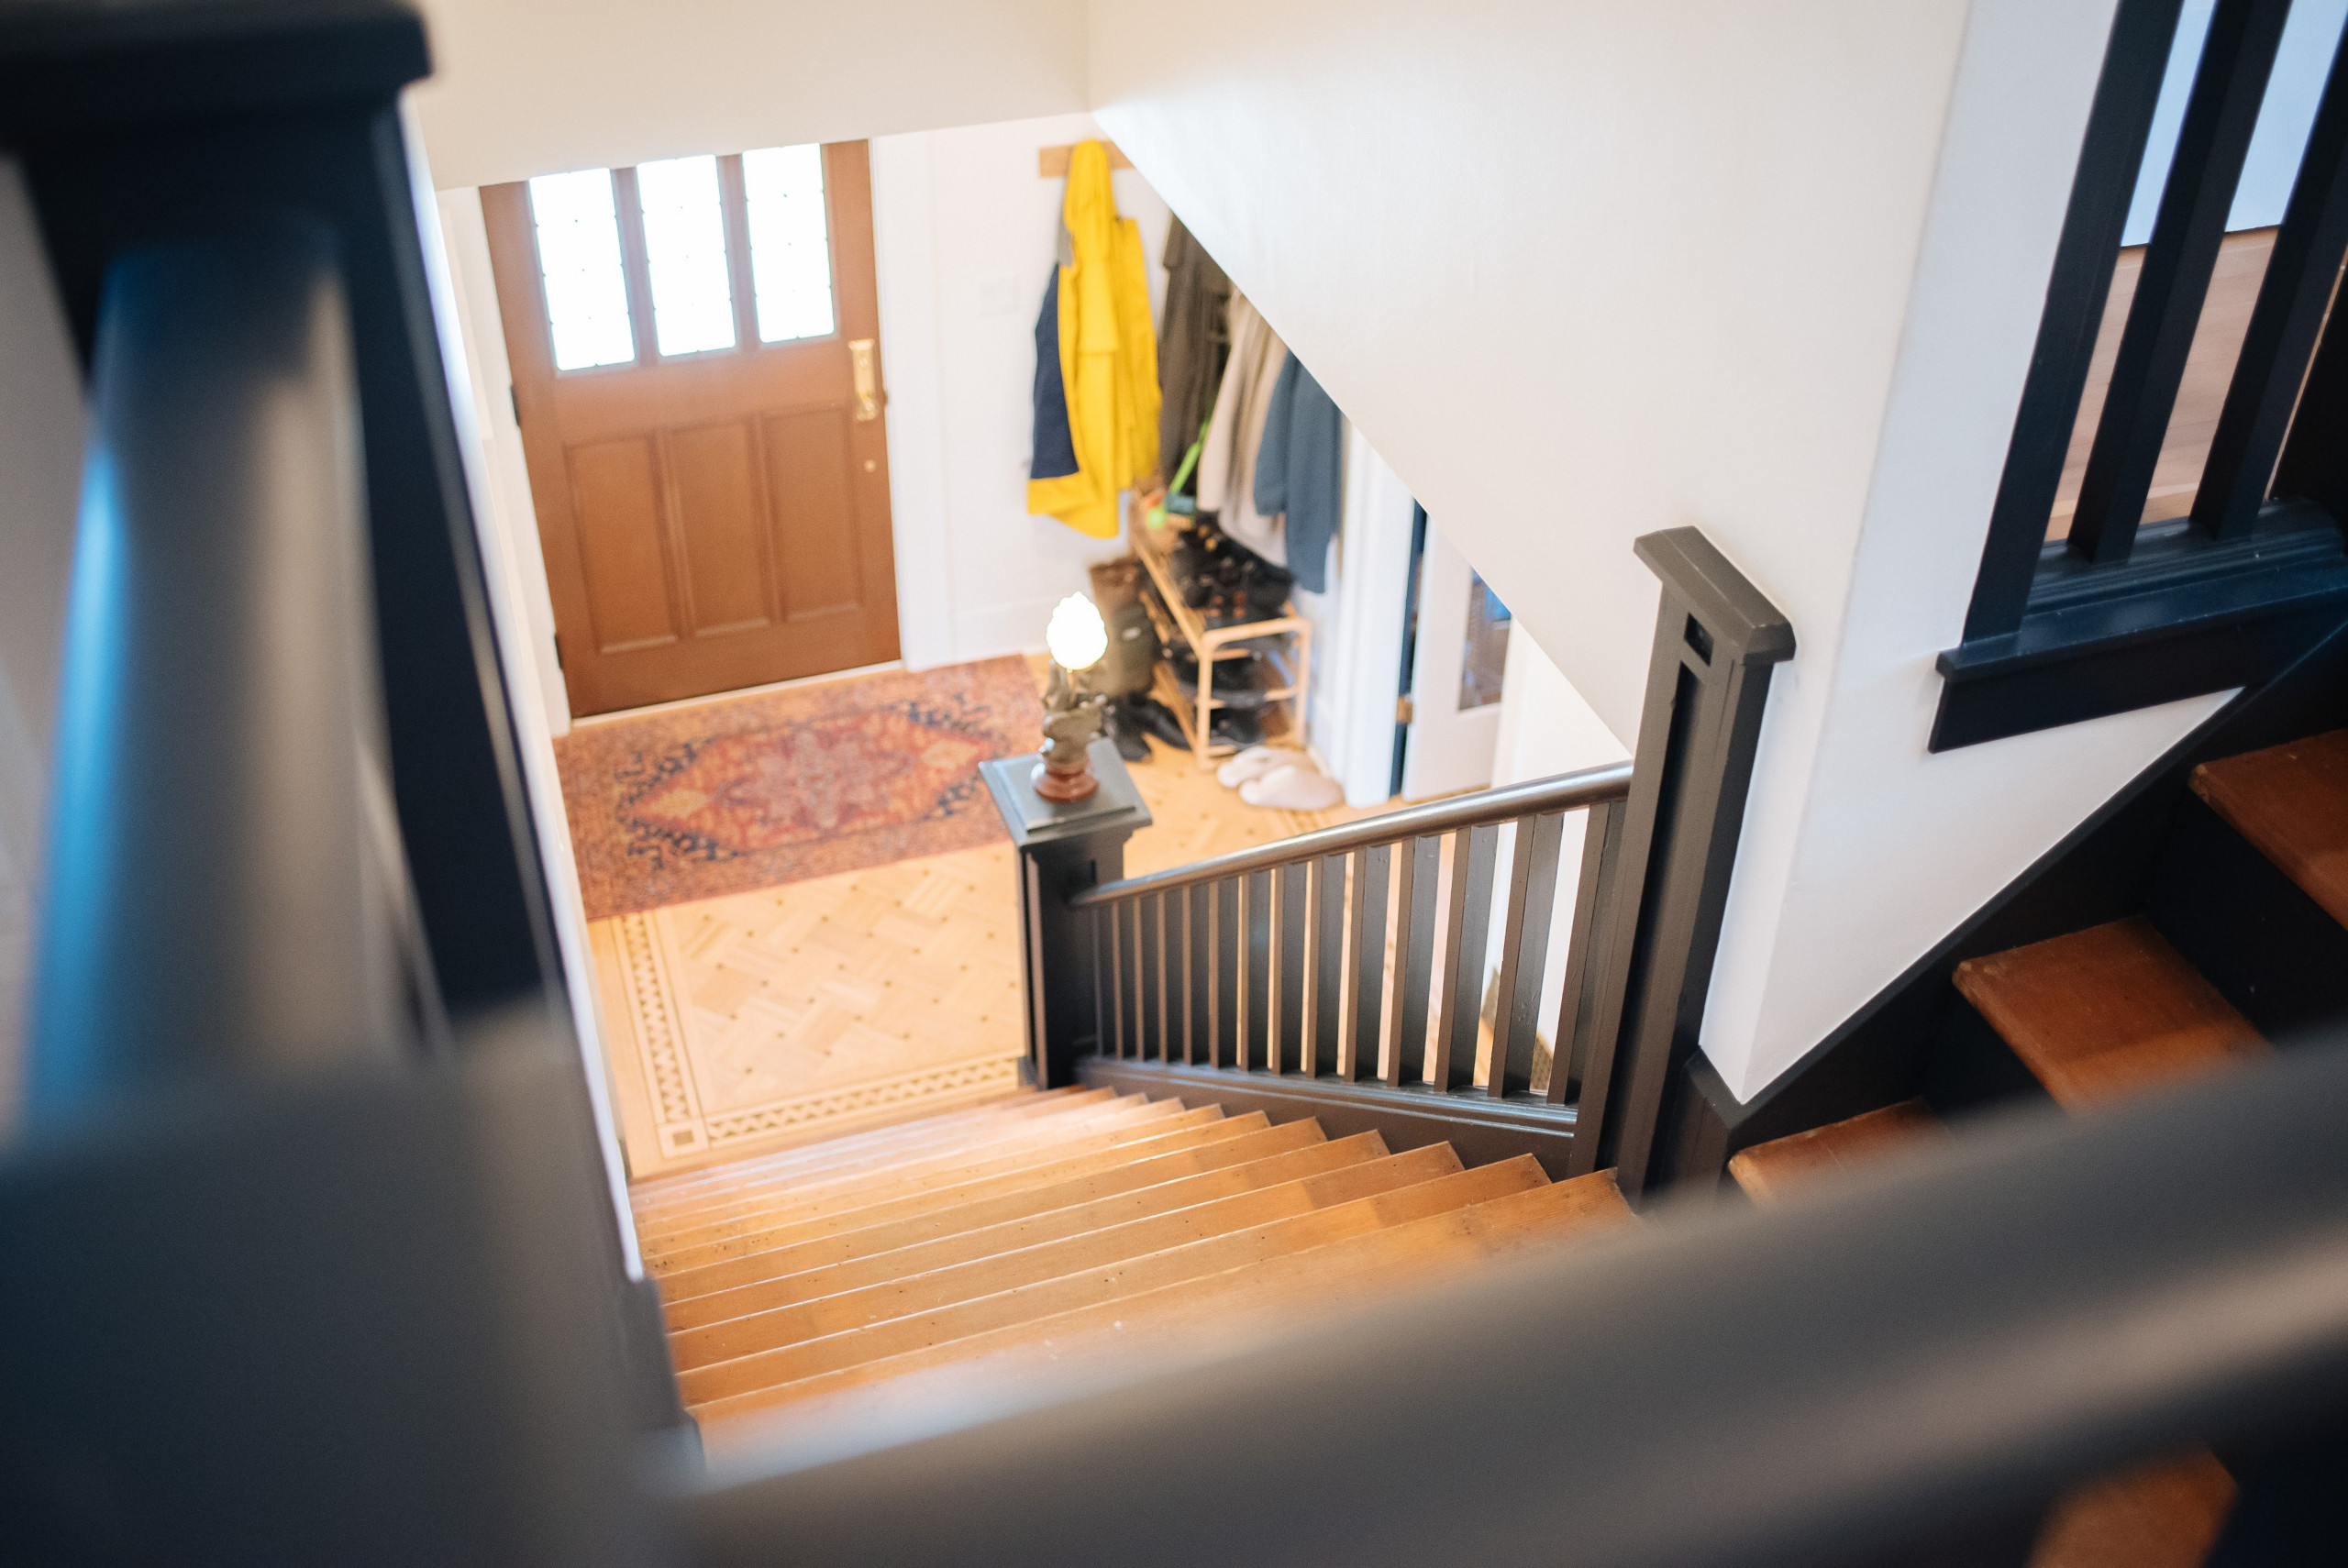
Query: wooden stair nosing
pixel 919 1139
pixel 2166 1514
pixel 691 1297
pixel 1020 1105
pixel 1378 1264
pixel 2291 802
pixel 880 1188
pixel 1251 1245
pixel 2105 1011
pixel 1764 1170
pixel 940 1288
pixel 898 1205
pixel 1003 1142
pixel 1028 1230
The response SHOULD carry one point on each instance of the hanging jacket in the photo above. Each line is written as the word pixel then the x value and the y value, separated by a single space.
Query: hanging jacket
pixel 1054 447
pixel 1300 471
pixel 1227 465
pixel 1107 358
pixel 1191 348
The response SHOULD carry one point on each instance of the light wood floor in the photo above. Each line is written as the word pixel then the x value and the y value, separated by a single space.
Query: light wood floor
pixel 760 1020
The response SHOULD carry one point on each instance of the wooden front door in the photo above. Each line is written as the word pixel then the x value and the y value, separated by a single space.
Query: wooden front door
pixel 695 353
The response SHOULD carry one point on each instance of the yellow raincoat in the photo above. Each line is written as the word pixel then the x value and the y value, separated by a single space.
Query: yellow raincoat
pixel 1108 356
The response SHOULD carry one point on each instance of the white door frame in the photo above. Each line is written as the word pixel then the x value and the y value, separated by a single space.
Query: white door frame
pixel 1360 673
pixel 1449 750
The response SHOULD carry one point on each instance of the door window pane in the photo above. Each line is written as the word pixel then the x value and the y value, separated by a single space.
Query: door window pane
pixel 579 255
pixel 1485 658
pixel 791 253
pixel 684 241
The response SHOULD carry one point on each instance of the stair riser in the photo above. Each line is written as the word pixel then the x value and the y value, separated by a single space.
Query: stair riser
pixel 692 1297
pixel 985 1277
pixel 2270 949
pixel 825 1154
pixel 1247 1247
pixel 768 1209
pixel 887 1207
pixel 1042 1228
pixel 1406 1257
pixel 897 1163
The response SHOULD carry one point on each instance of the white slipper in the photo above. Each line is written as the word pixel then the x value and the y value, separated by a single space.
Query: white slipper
pixel 1254 762
pixel 1292 789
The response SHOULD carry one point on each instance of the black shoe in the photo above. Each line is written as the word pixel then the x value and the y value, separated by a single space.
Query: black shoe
pixel 1131 744
pixel 1234 728
pixel 1153 717
pixel 1238 683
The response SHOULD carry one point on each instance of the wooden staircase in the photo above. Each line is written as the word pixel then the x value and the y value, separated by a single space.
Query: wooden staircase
pixel 2115 1009
pixel 1048 1225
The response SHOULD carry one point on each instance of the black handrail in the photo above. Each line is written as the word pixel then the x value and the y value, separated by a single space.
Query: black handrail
pixel 1565 792
pixel 1961 1334
pixel 220 899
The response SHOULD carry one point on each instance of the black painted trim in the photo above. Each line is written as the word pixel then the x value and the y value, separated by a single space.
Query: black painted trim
pixel 68 71
pixel 2185 615
pixel 2228 87
pixel 2118 617
pixel 2136 60
pixel 1717 637
pixel 2300 275
pixel 1482 1129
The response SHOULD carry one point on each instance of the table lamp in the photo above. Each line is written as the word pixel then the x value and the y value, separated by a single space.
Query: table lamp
pixel 1077 638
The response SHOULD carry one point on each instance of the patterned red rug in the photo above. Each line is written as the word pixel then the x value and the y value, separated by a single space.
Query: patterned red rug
pixel 730 795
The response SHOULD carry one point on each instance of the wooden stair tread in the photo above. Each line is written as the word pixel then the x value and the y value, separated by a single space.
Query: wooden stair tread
pixel 2163 1515
pixel 692 1297
pixel 2105 1011
pixel 1120 1148
pixel 1024 1104
pixel 2291 802
pixel 1368 1267
pixel 1765 1170
pixel 967 1281
pixel 1028 1231
pixel 1010 1141
pixel 766 1210
pixel 1252 1246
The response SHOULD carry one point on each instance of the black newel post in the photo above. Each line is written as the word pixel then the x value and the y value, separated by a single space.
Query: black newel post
pixel 1063 849
pixel 1707 681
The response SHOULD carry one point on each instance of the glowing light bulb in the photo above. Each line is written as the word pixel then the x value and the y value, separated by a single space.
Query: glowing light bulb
pixel 1077 635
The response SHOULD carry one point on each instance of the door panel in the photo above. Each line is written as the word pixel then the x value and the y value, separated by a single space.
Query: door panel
pixel 812 462
pixel 722 517
pixel 615 496
pixel 717 519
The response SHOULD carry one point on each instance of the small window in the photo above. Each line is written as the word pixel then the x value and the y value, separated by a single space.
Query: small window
pixel 1485 658
pixel 578 257
pixel 791 255
pixel 684 243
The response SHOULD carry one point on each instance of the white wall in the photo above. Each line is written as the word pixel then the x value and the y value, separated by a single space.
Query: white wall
pixel 1547 728
pixel 40 470
pixel 510 523
pixel 507 571
pixel 965 234
pixel 1583 270
pixel 1358 660
pixel 525 87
